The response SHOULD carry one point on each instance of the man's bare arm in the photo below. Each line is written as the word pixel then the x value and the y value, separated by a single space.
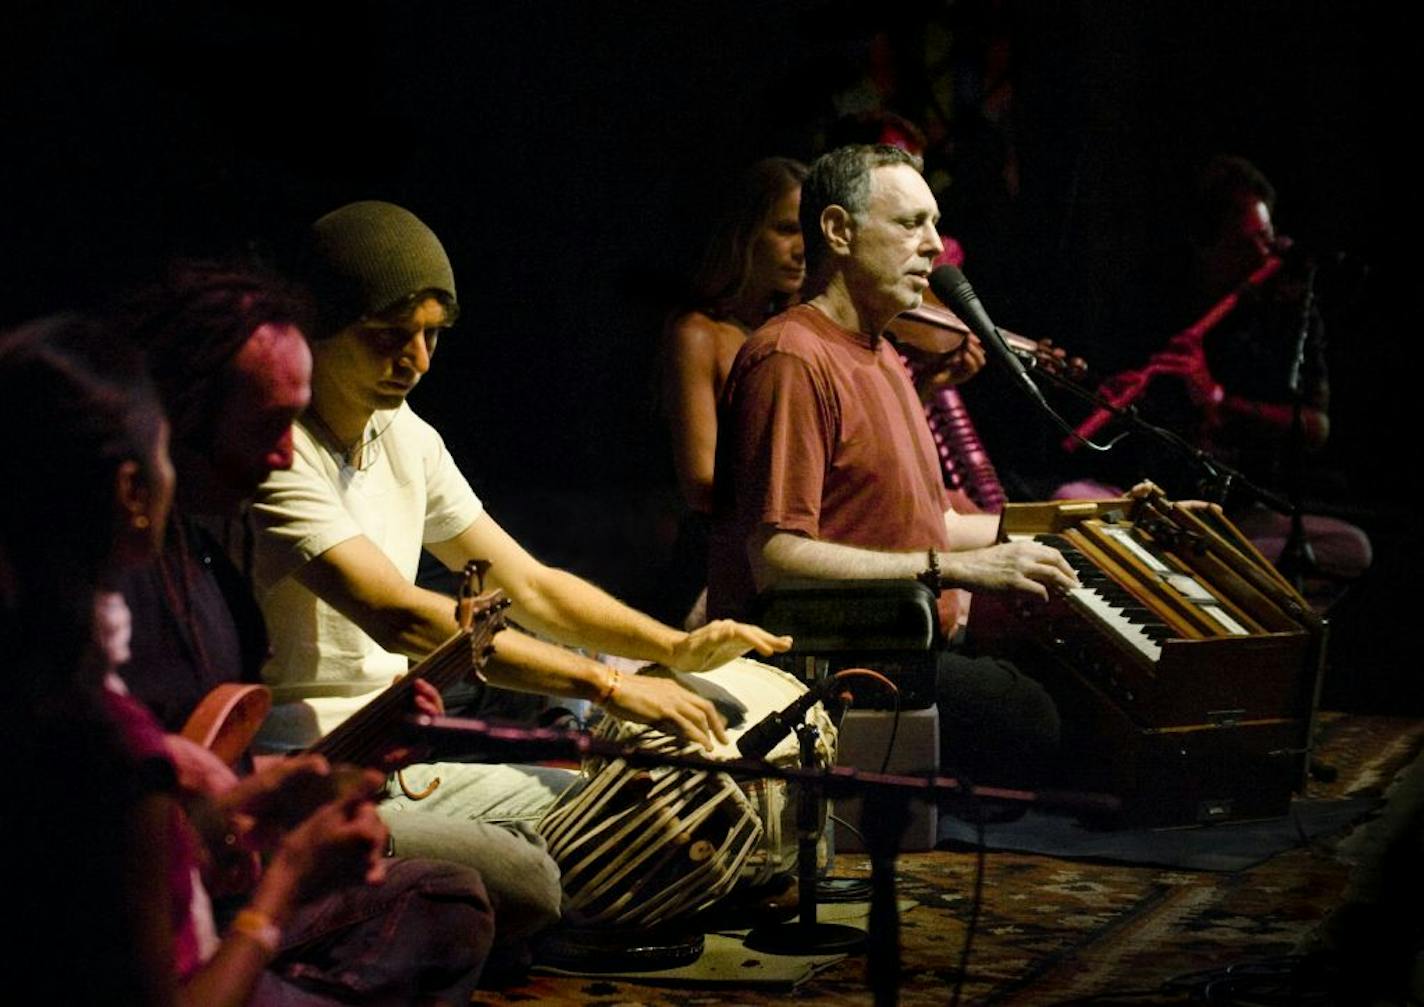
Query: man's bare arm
pixel 1014 566
pixel 971 531
pixel 358 580
pixel 573 611
pixel 361 583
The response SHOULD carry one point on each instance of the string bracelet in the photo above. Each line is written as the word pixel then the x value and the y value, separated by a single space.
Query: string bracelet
pixel 610 687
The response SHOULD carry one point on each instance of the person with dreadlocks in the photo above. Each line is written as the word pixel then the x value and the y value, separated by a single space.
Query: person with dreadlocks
pixel 226 349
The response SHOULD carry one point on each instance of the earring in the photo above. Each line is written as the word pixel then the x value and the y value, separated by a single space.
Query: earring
pixel 139 521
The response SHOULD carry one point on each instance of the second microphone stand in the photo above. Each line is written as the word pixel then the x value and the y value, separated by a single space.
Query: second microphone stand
pixel 1297 560
pixel 807 935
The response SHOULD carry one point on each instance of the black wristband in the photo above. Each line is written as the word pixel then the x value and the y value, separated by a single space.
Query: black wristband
pixel 930 576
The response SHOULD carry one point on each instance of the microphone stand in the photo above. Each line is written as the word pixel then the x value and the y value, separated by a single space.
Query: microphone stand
pixel 1297 560
pixel 808 936
pixel 887 799
pixel 883 821
pixel 1219 477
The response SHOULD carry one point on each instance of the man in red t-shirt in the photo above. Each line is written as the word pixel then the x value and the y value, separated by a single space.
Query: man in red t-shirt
pixel 826 468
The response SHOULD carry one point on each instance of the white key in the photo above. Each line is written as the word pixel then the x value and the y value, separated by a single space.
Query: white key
pixel 1111 619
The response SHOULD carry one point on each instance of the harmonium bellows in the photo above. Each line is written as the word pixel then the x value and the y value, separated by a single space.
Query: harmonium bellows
pixel 1185 667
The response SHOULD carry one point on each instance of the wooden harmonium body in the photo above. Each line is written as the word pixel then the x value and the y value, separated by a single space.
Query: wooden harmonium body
pixel 1185 667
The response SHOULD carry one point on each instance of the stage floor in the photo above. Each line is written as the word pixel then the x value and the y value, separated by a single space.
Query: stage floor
pixel 1054 930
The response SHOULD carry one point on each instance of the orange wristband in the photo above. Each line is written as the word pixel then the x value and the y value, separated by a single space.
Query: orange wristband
pixel 610 688
pixel 258 926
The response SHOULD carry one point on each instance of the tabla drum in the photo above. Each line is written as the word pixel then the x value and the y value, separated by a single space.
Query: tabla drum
pixel 639 846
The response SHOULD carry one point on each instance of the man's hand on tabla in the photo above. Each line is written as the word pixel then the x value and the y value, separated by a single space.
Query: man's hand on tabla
pixel 716 643
pixel 663 703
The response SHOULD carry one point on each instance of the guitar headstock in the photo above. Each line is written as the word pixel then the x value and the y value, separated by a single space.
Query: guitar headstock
pixel 472 596
pixel 474 582
pixel 479 611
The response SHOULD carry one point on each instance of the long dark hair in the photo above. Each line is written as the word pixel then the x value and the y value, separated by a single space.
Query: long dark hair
pixel 721 280
pixel 77 404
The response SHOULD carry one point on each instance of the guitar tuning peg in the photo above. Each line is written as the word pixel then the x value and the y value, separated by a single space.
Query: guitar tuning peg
pixel 481 567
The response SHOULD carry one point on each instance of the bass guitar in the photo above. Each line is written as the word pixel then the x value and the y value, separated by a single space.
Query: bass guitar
pixel 229 717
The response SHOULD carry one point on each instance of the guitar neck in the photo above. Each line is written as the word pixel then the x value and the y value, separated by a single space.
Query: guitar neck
pixel 363 737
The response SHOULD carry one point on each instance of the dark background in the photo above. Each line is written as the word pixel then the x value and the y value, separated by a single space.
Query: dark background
pixel 566 153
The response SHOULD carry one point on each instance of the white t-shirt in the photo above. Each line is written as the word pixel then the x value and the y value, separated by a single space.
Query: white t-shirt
pixel 323 666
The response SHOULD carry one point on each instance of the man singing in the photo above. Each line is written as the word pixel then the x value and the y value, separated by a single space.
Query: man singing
pixel 827 468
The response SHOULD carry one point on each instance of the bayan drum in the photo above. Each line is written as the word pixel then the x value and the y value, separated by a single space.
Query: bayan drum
pixel 639 847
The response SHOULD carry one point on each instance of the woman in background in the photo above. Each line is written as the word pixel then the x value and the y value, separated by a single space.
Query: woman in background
pixel 752 268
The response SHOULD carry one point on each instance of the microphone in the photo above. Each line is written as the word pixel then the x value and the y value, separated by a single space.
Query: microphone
pixel 953 289
pixel 767 733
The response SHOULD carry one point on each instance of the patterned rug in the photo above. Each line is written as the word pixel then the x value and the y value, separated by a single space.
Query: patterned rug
pixel 1052 931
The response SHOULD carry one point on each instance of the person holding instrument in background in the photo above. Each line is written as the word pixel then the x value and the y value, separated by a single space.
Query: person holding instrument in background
pixel 1223 381
pixel 752 267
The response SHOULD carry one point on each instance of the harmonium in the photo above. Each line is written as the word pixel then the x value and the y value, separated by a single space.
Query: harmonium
pixel 1186 668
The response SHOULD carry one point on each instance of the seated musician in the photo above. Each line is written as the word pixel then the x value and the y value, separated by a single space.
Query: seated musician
pixel 752 268
pixel 826 468
pixel 226 349
pixel 1224 382
pixel 371 484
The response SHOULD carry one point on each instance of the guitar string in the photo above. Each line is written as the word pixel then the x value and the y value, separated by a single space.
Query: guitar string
pixel 358 739
pixel 369 727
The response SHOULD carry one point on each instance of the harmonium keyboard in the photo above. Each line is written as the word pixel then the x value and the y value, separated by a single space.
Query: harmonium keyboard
pixel 1186 669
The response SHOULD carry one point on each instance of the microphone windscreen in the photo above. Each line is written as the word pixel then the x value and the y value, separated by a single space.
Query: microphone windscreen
pixel 949 283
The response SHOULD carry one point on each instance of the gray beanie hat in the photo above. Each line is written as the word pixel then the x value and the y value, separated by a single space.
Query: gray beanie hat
pixel 367 257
